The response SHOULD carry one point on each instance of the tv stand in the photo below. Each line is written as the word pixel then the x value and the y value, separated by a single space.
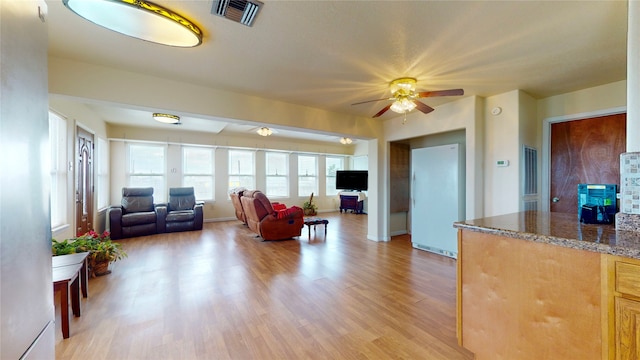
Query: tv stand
pixel 353 201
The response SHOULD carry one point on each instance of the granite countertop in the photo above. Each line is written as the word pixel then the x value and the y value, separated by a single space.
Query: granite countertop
pixel 559 229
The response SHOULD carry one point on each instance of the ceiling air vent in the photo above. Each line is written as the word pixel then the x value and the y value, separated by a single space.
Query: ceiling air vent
pixel 241 11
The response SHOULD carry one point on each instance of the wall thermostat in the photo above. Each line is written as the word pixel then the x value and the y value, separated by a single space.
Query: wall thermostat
pixel 502 163
pixel 496 110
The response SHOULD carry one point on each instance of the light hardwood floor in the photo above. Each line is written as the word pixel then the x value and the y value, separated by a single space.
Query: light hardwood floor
pixel 222 293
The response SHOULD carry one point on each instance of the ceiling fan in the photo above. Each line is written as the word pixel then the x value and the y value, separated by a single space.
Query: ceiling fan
pixel 405 97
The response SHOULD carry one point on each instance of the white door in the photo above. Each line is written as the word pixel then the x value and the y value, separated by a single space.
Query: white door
pixel 435 196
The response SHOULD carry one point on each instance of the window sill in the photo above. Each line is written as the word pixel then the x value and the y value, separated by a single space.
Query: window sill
pixel 59 229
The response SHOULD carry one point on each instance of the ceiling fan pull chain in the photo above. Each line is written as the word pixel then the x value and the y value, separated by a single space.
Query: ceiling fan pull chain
pixel 405 118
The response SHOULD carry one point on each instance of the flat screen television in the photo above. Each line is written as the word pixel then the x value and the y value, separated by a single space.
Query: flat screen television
pixel 357 180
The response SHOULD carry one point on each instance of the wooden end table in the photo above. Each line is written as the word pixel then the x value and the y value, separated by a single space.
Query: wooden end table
pixel 72 259
pixel 65 277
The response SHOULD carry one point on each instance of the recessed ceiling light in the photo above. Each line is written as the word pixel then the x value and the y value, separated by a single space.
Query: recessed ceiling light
pixel 140 19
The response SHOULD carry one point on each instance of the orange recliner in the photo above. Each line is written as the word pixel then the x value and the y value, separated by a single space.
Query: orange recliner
pixel 267 222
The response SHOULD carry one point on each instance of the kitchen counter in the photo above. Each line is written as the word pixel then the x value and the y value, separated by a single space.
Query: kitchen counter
pixel 559 229
pixel 531 286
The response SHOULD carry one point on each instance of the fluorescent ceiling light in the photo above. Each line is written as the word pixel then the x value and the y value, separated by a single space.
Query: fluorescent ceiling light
pixel 140 19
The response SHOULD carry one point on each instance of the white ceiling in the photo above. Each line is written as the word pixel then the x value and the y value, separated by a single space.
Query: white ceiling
pixel 330 54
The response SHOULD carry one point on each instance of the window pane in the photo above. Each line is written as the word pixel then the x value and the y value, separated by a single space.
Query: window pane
pixel 103 173
pixel 58 169
pixel 241 162
pixel 241 169
pixel 146 159
pixel 307 165
pixel 241 181
pixel 277 169
pixel 306 186
pixel 307 179
pixel 333 164
pixel 198 171
pixel 277 163
pixel 198 160
pixel 203 186
pixel 277 186
pixel 156 182
pixel 146 168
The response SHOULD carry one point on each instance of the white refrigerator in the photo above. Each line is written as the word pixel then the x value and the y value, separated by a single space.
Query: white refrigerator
pixel 436 198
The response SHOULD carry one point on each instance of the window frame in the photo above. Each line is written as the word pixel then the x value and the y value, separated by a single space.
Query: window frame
pixel 240 175
pixel 287 162
pixel 331 179
pixel 159 194
pixel 58 160
pixel 210 174
pixel 306 175
pixel 102 174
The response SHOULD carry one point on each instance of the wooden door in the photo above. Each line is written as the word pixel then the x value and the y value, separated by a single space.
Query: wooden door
pixel 584 151
pixel 84 181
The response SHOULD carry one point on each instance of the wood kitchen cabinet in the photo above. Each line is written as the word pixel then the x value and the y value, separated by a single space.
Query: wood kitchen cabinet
pixel 624 304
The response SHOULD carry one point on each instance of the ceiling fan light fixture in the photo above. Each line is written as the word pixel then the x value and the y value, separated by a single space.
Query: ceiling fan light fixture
pixel 345 140
pixel 139 19
pixel 402 106
pixel 166 118
pixel 264 131
pixel 403 86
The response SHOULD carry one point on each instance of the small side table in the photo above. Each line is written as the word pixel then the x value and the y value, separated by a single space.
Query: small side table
pixel 65 277
pixel 314 221
pixel 72 259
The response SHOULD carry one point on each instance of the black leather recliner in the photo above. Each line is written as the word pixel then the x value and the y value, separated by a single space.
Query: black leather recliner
pixel 183 212
pixel 137 215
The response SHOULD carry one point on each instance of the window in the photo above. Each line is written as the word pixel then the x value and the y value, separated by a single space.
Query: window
pixel 307 175
pixel 58 169
pixel 102 175
pixel 241 169
pixel 197 171
pixel 333 164
pixel 277 174
pixel 147 168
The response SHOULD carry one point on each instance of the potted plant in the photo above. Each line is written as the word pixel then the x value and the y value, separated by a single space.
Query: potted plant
pixel 102 251
pixel 309 208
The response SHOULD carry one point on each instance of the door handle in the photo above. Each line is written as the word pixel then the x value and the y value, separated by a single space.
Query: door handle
pixel 555 199
pixel 413 189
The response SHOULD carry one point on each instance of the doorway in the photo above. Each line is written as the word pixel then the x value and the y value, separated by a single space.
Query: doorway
pixel 584 151
pixel 84 181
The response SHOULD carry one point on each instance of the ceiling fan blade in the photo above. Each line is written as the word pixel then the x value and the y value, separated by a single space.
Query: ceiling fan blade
pixel 384 110
pixel 423 107
pixel 451 92
pixel 368 101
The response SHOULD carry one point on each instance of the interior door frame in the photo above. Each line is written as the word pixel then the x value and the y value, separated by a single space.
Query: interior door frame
pixel 545 189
